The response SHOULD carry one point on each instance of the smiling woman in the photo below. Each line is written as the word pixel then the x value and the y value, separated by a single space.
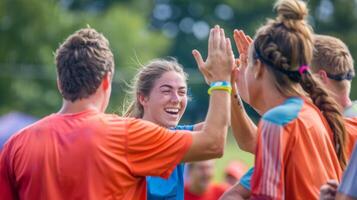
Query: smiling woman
pixel 159 95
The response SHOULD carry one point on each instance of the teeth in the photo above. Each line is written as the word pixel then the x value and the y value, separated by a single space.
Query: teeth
pixel 172 110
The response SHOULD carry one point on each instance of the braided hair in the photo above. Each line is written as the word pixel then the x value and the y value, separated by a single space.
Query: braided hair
pixel 285 45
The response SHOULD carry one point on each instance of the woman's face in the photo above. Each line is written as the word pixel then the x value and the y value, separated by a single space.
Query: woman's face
pixel 252 80
pixel 167 100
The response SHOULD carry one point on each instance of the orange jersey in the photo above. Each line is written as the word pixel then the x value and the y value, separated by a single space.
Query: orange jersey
pixel 294 154
pixel 351 128
pixel 88 155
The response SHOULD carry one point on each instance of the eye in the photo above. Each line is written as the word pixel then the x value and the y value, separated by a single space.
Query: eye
pixel 182 92
pixel 165 91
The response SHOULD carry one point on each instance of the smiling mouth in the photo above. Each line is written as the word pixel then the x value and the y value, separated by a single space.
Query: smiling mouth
pixel 172 111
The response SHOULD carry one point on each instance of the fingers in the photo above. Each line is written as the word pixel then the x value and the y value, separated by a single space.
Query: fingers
pixel 214 40
pixel 210 40
pixel 244 41
pixel 223 42
pixel 229 52
pixel 250 40
pixel 197 55
pixel 216 36
pixel 237 41
pixel 201 65
pixel 229 47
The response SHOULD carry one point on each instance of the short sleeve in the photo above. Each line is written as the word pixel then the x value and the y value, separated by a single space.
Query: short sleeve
pixel 153 150
pixel 268 177
pixel 349 181
pixel 246 179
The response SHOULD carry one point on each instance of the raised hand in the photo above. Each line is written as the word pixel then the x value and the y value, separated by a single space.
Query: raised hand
pixel 242 42
pixel 220 59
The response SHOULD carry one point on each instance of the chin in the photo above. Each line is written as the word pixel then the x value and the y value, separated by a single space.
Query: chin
pixel 171 124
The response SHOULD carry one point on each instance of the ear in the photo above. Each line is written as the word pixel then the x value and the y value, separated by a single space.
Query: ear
pixel 142 99
pixel 323 76
pixel 106 81
pixel 259 69
pixel 59 85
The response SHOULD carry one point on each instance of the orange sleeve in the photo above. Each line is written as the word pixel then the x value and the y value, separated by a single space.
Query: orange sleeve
pixel 268 178
pixel 153 150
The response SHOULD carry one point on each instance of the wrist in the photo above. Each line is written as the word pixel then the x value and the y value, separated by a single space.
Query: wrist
pixel 223 78
pixel 220 85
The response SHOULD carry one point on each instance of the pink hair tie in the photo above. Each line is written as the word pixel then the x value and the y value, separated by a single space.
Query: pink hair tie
pixel 303 69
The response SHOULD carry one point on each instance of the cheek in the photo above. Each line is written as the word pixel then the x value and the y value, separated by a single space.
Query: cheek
pixel 184 102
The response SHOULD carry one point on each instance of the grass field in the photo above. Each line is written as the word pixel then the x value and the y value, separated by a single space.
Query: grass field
pixel 232 152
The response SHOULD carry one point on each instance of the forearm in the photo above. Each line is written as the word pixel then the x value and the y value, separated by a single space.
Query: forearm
pixel 243 128
pixel 216 124
pixel 209 142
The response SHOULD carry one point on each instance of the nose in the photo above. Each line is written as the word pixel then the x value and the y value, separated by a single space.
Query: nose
pixel 175 97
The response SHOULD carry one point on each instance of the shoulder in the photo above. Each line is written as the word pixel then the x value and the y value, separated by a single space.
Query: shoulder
pixel 19 138
pixel 284 113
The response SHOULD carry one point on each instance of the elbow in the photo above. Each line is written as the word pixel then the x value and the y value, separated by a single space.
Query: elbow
pixel 244 147
pixel 247 147
pixel 217 151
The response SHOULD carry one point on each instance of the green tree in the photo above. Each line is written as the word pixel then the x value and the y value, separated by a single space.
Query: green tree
pixel 30 32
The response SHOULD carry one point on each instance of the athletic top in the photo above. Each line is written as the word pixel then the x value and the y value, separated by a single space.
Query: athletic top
pixel 88 155
pixel 246 179
pixel 348 185
pixel 171 188
pixel 351 128
pixel 294 154
pixel 351 111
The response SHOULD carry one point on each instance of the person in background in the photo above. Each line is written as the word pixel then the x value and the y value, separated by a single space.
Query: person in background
pixel 332 62
pixel 199 185
pixel 233 172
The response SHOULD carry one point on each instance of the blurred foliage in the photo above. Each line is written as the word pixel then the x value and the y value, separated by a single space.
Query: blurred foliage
pixel 332 17
pixel 31 30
